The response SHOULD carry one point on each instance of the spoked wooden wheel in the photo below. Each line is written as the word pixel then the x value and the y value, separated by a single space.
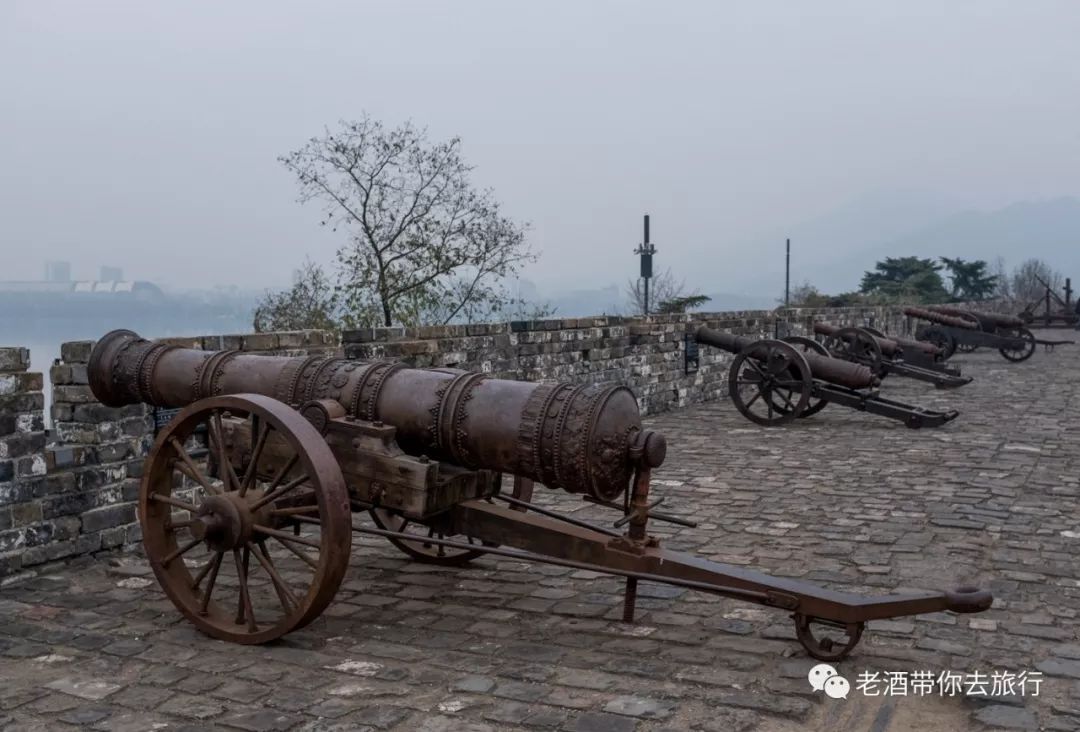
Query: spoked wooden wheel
pixel 766 374
pixel 806 345
pixel 425 551
pixel 966 348
pixel 857 346
pixel 226 480
pixel 941 339
pixel 1019 352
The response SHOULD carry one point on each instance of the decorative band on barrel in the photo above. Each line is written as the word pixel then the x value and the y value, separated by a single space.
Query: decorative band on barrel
pixel 374 378
pixel 208 380
pixel 532 421
pixel 558 463
pixel 459 413
pixel 147 392
pixel 604 460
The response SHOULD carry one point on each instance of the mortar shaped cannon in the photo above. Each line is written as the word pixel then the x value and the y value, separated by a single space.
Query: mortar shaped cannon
pixel 251 494
pixel 884 356
pixel 774 382
pixel 954 329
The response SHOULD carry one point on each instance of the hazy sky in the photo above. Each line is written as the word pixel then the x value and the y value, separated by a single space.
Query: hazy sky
pixel 145 134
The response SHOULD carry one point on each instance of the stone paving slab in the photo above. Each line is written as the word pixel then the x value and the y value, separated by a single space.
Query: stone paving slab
pixel 844 499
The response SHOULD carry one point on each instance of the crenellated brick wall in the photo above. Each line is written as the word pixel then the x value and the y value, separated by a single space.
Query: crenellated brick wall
pixel 646 354
pixel 73 491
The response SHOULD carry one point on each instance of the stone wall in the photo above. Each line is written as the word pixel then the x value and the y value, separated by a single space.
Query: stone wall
pixel 648 355
pixel 23 526
pixel 73 491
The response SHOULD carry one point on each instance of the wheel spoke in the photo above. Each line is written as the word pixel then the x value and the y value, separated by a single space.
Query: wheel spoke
pixel 752 362
pixel 304 556
pixel 273 496
pixel 787 399
pixel 256 453
pixel 282 473
pixel 173 502
pixel 295 510
pixel 285 595
pixel 203 572
pixel 287 537
pixel 195 473
pixel 225 467
pixel 753 399
pixel 244 611
pixel 210 583
pixel 180 551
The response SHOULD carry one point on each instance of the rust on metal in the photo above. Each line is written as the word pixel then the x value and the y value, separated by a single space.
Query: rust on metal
pixel 269 457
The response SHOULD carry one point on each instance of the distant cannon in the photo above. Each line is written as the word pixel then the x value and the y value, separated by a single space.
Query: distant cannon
pixel 773 382
pixel 883 355
pixel 953 329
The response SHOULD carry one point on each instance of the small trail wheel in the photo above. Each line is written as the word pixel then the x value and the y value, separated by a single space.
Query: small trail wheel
pixel 1020 352
pixel 838 640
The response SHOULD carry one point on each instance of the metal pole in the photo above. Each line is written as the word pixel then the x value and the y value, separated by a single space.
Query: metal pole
pixel 645 246
pixel 787 277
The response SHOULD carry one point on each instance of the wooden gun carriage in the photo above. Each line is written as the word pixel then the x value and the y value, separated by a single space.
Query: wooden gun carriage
pixel 1067 314
pixel 956 329
pixel 248 496
pixel 885 356
pixel 773 382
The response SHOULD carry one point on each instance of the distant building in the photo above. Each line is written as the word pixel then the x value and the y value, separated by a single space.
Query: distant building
pixel 111 274
pixel 58 271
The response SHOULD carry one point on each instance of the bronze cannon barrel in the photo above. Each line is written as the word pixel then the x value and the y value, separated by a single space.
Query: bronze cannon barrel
pixel 914 345
pixel 832 370
pixel 888 346
pixel 940 318
pixel 996 319
pixel 581 438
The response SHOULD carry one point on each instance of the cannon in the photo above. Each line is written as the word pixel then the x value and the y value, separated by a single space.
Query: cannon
pixel 955 329
pixel 918 353
pixel 882 355
pixel 773 382
pixel 249 495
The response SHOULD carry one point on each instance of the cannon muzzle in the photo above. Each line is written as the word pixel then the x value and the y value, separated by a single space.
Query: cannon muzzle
pixel 581 438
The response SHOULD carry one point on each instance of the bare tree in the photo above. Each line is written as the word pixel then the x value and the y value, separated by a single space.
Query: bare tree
pixel 1031 278
pixel 663 287
pixel 425 245
pixel 1002 281
pixel 311 302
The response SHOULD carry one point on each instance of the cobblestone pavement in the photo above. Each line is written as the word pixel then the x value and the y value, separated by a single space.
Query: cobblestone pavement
pixel 846 500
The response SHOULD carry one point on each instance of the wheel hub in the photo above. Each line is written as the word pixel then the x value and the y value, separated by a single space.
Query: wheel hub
pixel 225 522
